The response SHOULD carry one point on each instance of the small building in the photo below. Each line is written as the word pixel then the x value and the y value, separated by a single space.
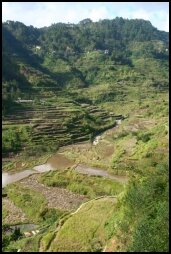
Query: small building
pixel 23 101
pixel 38 47
pixel 106 51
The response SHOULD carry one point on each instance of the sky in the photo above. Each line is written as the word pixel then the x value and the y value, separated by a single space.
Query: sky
pixel 40 14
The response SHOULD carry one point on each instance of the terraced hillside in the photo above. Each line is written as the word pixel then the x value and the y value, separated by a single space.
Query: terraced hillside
pixel 57 123
pixel 139 147
pixel 66 90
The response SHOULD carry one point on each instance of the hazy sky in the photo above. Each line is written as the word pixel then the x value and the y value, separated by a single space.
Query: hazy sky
pixel 41 14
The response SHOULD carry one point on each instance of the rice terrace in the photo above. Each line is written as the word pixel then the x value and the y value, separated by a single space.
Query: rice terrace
pixel 85 132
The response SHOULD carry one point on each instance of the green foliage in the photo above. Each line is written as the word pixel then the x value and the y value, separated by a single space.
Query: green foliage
pixel 9 236
pixel 120 65
pixel 90 186
pixel 46 240
pixel 145 137
pixel 63 46
pixel 143 220
pixel 16 235
pixel 30 244
pixel 84 231
pixel 151 233
pixel 118 155
pixel 5 238
pixel 13 139
pixel 121 135
pixel 50 215
pixel 26 200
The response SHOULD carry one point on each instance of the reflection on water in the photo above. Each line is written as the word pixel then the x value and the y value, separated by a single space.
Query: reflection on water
pixel 12 178
pixel 57 161
pixel 43 168
pixel 99 172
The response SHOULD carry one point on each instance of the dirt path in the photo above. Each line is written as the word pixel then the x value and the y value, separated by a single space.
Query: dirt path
pixel 60 225
pixel 91 201
pixel 56 197
pixel 111 247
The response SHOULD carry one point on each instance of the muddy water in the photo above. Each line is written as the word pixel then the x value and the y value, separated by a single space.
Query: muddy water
pixel 43 168
pixel 12 178
pixel 99 172
pixel 57 161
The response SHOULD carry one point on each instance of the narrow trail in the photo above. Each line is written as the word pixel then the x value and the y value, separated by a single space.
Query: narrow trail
pixel 104 250
pixel 91 201
pixel 60 224
pixel 29 179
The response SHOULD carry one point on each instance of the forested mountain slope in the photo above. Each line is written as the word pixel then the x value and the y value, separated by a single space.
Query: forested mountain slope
pixel 65 84
pixel 65 60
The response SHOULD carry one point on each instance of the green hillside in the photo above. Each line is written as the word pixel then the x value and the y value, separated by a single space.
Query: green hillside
pixel 61 87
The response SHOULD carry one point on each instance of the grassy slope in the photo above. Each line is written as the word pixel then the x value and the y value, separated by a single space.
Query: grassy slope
pixel 148 152
pixel 150 122
pixel 84 231
pixel 90 186
pixel 26 200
